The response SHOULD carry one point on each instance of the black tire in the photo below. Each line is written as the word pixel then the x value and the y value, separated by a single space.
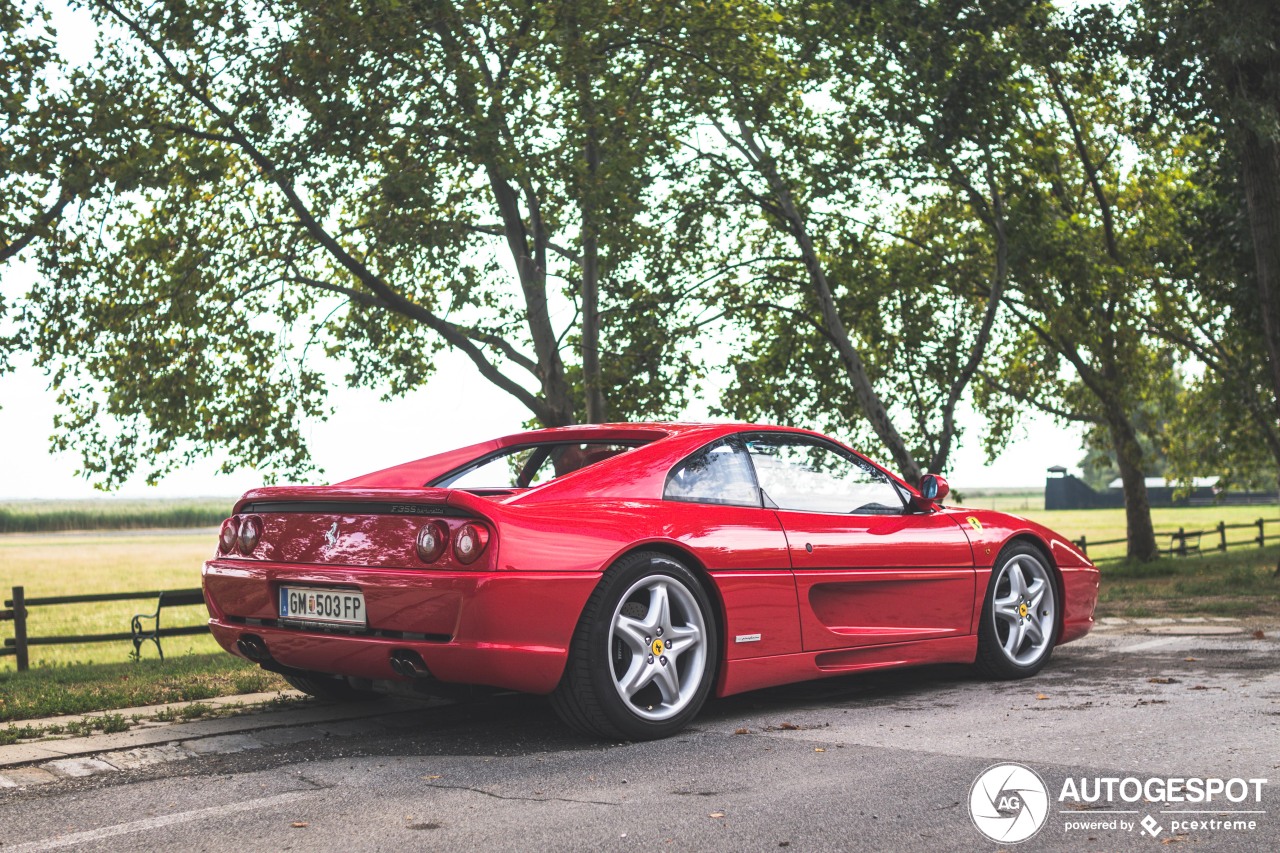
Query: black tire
pixel 1038 612
pixel 589 698
pixel 331 688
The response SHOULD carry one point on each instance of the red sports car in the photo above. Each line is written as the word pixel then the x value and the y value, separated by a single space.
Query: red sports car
pixel 629 570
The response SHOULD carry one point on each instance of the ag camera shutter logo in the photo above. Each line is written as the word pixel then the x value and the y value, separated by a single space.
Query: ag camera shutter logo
pixel 1009 803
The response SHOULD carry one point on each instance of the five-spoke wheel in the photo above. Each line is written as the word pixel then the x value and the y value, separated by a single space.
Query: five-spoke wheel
pixel 1019 614
pixel 642 657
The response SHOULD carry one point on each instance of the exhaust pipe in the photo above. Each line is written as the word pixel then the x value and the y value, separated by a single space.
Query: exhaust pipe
pixel 253 648
pixel 409 664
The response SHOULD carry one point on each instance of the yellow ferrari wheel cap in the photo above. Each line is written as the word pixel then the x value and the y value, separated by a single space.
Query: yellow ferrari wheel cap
pixel 657 647
pixel 1022 610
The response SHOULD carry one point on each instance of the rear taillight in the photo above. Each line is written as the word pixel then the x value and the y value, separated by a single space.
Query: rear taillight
pixel 250 533
pixel 227 538
pixel 433 538
pixel 469 543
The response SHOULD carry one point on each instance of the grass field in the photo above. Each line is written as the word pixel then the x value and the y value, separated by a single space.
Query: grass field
pixel 71 563
pixel 34 516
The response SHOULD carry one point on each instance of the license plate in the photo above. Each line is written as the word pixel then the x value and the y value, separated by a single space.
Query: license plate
pixel 336 606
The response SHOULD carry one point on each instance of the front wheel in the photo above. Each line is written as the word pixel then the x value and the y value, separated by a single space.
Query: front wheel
pixel 643 656
pixel 1019 615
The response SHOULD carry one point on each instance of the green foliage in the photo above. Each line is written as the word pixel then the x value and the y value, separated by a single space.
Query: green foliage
pixel 282 183
pixel 41 517
pixel 876 214
pixel 1153 421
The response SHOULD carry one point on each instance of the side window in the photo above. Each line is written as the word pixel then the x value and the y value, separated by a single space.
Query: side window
pixel 718 473
pixel 805 474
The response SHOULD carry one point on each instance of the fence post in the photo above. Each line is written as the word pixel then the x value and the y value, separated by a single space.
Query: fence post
pixel 1262 535
pixel 20 627
pixel 1084 546
pixel 1222 536
pixel 1182 543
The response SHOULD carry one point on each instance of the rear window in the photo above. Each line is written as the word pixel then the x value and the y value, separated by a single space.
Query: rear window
pixel 529 465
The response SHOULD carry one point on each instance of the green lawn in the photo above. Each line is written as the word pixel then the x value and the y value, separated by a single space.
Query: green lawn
pixel 71 563
pixel 1240 583
pixel 54 690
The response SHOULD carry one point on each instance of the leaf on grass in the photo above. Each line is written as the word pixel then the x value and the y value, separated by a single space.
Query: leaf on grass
pixel 818 749
pixel 1042 696
pixel 789 727
pixel 299 824
pixel 742 731
pixel 716 814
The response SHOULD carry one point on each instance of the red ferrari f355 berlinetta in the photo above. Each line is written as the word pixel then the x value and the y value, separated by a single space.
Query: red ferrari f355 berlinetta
pixel 630 570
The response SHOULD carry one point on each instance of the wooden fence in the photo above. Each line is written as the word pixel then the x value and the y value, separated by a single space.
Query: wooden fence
pixel 1183 543
pixel 16 612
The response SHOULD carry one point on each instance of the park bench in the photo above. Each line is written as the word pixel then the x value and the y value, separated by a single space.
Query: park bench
pixel 168 598
pixel 1183 544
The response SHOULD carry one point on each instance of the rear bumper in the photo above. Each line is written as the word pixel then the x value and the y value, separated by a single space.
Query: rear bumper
pixel 501 629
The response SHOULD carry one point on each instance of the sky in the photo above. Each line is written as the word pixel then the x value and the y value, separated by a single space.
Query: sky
pixel 366 433
pixel 456 407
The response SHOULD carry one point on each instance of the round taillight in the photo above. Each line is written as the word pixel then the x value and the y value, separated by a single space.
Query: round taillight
pixel 432 539
pixel 227 538
pixel 250 533
pixel 469 542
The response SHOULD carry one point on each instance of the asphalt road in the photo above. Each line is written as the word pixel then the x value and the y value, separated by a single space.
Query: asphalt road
pixel 874 762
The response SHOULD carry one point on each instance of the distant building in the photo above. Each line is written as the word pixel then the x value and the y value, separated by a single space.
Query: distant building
pixel 1064 491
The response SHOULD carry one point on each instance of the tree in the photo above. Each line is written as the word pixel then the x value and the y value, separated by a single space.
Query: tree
pixel 1215 72
pixel 41 170
pixel 315 178
pixel 832 340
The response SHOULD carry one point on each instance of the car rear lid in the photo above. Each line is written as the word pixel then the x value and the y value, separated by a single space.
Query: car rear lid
pixel 379 528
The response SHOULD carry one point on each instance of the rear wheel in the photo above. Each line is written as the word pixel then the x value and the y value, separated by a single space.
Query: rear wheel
pixel 1019 616
pixel 329 687
pixel 643 655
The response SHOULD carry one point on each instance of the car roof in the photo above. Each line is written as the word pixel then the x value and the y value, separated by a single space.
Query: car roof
pixel 664 444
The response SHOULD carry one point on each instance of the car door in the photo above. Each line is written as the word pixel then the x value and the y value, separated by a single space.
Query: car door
pixel 716 512
pixel 869 570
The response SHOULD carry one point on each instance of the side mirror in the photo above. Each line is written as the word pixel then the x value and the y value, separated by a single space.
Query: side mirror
pixel 934 488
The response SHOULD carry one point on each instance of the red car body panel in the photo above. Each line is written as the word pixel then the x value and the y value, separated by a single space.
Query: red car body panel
pixel 826 594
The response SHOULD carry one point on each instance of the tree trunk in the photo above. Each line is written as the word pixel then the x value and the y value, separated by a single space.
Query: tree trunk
pixel 592 386
pixel 1137 506
pixel 1260 160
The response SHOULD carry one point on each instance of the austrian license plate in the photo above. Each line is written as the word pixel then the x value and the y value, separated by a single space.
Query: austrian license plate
pixel 336 606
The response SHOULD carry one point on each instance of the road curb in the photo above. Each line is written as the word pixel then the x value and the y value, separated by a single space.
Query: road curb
pixel 40 762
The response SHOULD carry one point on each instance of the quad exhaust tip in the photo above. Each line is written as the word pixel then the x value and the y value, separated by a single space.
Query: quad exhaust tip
pixel 409 664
